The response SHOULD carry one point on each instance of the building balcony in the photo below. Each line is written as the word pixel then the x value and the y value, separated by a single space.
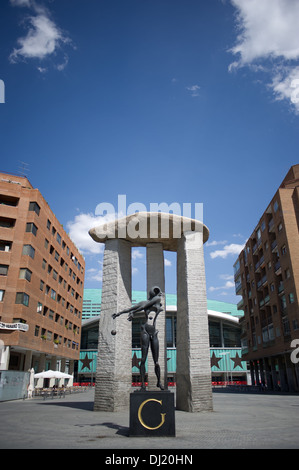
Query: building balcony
pixel 238 288
pixel 271 226
pixel 274 246
pixel 277 268
pixel 259 264
pixel 280 288
pixel 257 245
pixel 264 301
pixel 262 282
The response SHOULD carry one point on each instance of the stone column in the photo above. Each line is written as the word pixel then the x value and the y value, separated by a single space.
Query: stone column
pixel 290 373
pixel 262 372
pixel 273 373
pixel 256 371
pixel 114 366
pixel 282 374
pixel 269 382
pixel 251 367
pixel 194 388
pixel 28 360
pixel 155 277
pixel 53 367
pixel 62 369
pixel 41 368
pixel 71 372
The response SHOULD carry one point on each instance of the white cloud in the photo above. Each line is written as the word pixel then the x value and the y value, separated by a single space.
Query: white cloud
pixel 269 40
pixel 232 249
pixel 194 89
pixel 215 243
pixel 227 285
pixel 136 254
pixel 21 3
pixel 167 262
pixel 285 85
pixel 226 277
pixel 78 232
pixel 42 69
pixel 43 38
pixel 93 274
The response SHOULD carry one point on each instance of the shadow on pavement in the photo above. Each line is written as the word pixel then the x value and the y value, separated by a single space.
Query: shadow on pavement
pixel 82 405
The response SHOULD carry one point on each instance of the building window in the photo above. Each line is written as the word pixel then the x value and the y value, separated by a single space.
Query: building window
pixel 58 238
pixel 53 294
pixel 215 334
pixel 291 298
pixel 39 307
pixel 258 233
pixel 275 206
pixel 36 330
pixel 9 200
pixel 48 224
pixel 283 250
pixel 49 335
pixel 2 292
pixel 41 285
pixel 231 336
pixel 29 251
pixel 283 302
pixel 5 245
pixel 3 269
pixel 44 264
pixel 5 222
pixel 31 228
pixel 25 274
pixel 34 207
pixel 22 298
pixel 286 326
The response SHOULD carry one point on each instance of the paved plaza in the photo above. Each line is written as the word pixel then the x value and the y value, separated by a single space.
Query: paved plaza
pixel 239 421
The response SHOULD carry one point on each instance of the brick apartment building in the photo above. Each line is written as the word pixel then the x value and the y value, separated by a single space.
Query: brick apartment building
pixel 267 277
pixel 41 283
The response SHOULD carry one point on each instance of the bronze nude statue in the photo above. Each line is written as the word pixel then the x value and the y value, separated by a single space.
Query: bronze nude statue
pixel 149 334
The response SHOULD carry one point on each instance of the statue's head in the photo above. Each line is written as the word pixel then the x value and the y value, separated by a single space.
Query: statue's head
pixel 155 291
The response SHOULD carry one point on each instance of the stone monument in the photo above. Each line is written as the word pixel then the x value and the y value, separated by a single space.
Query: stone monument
pixel 157 232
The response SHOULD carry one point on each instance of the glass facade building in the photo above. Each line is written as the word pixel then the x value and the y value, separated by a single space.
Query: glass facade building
pixel 224 329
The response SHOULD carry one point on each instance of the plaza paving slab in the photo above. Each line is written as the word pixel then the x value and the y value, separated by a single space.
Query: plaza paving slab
pixel 239 421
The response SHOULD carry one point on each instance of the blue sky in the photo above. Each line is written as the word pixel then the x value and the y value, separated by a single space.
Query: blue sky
pixel 162 101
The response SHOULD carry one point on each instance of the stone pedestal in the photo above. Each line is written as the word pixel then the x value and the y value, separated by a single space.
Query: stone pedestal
pixel 152 414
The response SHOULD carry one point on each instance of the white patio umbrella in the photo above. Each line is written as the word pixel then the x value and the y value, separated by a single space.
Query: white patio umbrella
pixel 52 374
